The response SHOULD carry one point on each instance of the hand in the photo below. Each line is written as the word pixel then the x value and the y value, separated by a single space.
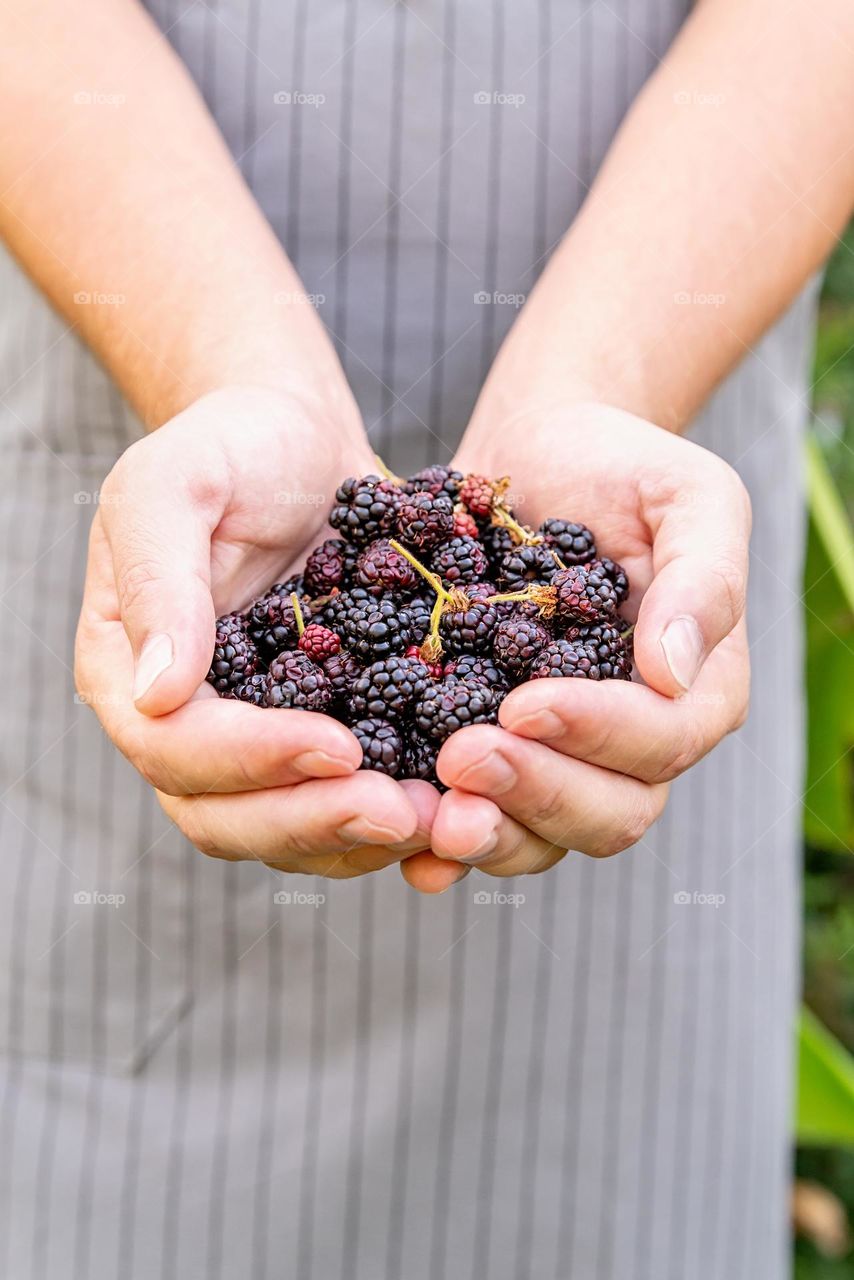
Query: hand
pixel 195 520
pixel 587 765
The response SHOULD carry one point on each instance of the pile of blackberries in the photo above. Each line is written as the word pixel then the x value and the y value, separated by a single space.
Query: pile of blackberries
pixel 416 620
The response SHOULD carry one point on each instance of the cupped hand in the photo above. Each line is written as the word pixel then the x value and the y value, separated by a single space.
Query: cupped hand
pixel 193 521
pixel 587 765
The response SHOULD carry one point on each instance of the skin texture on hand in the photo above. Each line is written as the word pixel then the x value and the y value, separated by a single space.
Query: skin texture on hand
pixel 587 765
pixel 194 521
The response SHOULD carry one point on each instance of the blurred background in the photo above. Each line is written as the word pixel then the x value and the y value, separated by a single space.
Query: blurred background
pixel 823 1205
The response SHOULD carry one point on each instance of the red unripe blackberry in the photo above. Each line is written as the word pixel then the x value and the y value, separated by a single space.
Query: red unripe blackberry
pixel 271 621
pixel 460 560
pixel 469 668
pixel 295 681
pixel 434 669
pixel 235 658
pixel 584 594
pixel 380 568
pixel 613 650
pixel 253 690
pixel 388 689
pixel 478 494
pixel 376 629
pixel 425 520
pixel 566 658
pixel 451 704
pixel 616 573
pixel 382 745
pixel 319 642
pixel 365 509
pixel 465 526
pixel 518 640
pixel 573 542
pixel 329 566
pixel 469 630
pixel 435 480
pixel 525 564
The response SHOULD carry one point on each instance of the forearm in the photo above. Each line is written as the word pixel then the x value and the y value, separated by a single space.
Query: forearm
pixel 130 197
pixel 724 190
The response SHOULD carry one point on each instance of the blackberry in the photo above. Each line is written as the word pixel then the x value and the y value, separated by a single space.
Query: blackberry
pixel 365 509
pixel 419 759
pixel 424 520
pixel 253 690
pixel 376 629
pixel 329 566
pixel 435 480
pixel 616 573
pixel 469 630
pixel 478 495
pixel 566 658
pixel 584 594
pixel 434 669
pixel 470 668
pixel 342 671
pixel 517 642
pixel 465 526
pixel 380 568
pixel 336 608
pixel 234 657
pixel 452 704
pixel 460 560
pixel 419 611
pixel 526 564
pixel 613 650
pixel 271 621
pixel 573 542
pixel 319 642
pixel 497 541
pixel 295 681
pixel 387 689
pixel 382 745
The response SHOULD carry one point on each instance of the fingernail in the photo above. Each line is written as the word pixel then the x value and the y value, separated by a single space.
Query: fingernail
pixel 157 654
pixel 483 850
pixel 317 764
pixel 362 831
pixel 542 725
pixel 683 650
pixel 493 773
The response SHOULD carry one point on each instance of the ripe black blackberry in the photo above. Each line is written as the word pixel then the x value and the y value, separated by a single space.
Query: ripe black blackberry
pixel 295 681
pixel 388 689
pixel 376 629
pixel 497 541
pixel 419 759
pixel 613 650
pixel 526 564
pixel 319 642
pixel 342 671
pixel 573 542
pixel 616 573
pixel 365 509
pixel 271 621
pixel 329 566
pixel 380 568
pixel 518 641
pixel 452 704
pixel 253 690
pixel 337 607
pixel 435 480
pixel 382 745
pixel 470 629
pixel 469 668
pixel 567 658
pixel 235 658
pixel 583 593
pixel 460 560
pixel 419 611
pixel 425 520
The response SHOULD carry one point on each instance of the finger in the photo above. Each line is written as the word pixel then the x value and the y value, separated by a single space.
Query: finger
pixel 318 827
pixel 158 524
pixel 631 728
pixel 700 536
pixel 429 874
pixel 565 801
pixel 474 831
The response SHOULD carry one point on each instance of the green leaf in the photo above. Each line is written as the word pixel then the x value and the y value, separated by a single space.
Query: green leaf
pixel 825 1114
pixel 831 520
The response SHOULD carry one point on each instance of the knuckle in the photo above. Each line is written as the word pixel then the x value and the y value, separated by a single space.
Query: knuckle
pixel 634 825
pixel 731 579
pixel 550 804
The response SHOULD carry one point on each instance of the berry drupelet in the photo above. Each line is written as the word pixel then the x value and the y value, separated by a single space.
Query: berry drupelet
pixel 235 659
pixel 518 641
pixel 295 681
pixel 460 560
pixel 425 520
pixel 380 568
pixel 388 689
pixel 573 542
pixel 271 620
pixel 365 509
pixel 381 743
pixel 253 690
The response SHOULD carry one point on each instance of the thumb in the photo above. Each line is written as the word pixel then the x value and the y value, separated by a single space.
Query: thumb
pixel 160 544
pixel 698 593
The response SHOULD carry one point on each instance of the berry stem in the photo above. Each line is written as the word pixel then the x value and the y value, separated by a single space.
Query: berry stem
pixel 523 535
pixel 431 649
pixel 298 613
pixel 433 578
pixel 383 470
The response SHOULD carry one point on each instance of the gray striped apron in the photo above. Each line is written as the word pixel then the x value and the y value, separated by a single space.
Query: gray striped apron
pixel 201 1081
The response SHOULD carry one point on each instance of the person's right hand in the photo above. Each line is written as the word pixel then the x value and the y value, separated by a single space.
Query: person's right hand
pixel 193 521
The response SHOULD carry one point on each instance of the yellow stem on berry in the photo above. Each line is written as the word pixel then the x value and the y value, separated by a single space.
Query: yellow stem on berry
pixel 298 613
pixel 543 597
pixel 433 578
pixel 519 532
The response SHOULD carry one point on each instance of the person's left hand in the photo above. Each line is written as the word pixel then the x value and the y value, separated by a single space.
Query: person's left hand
pixel 587 765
